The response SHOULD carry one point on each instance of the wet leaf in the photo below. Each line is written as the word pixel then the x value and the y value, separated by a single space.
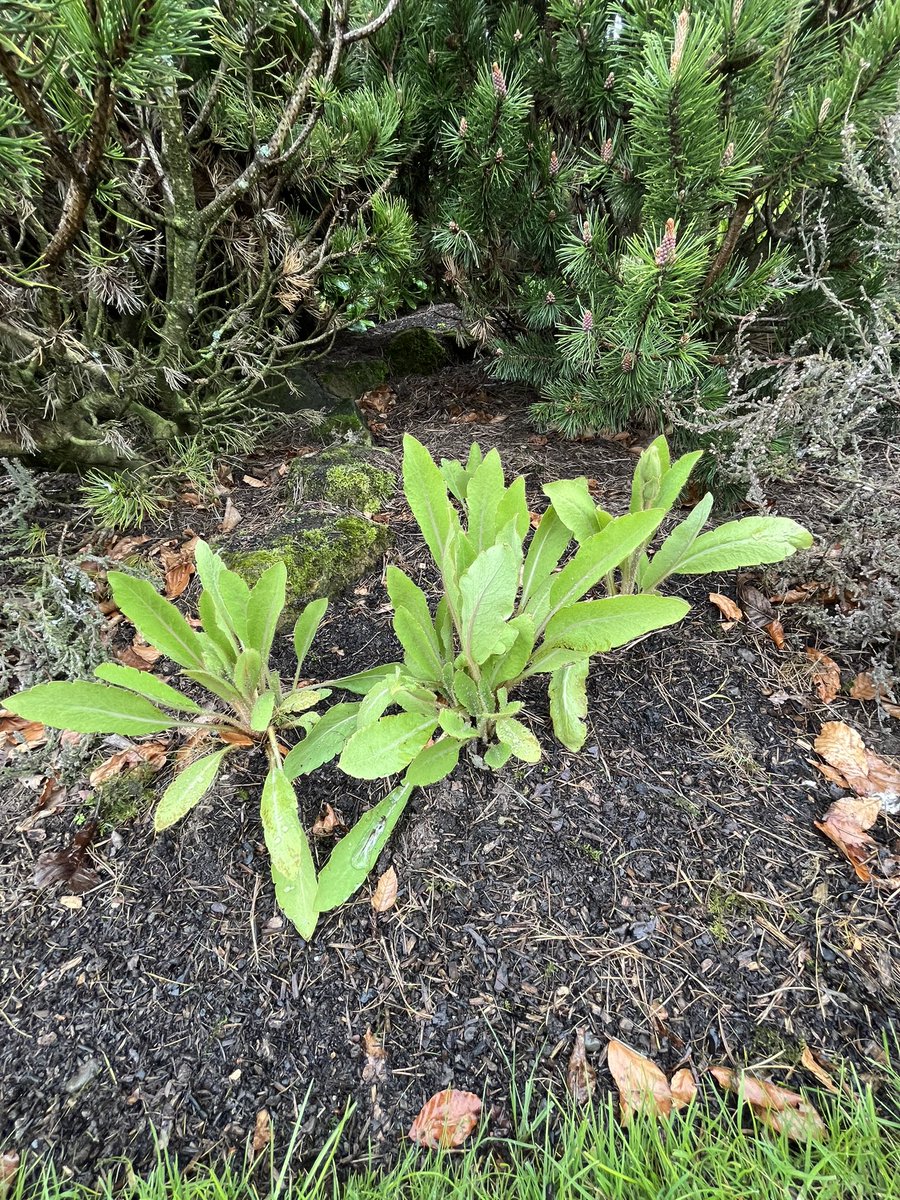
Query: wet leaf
pixel 640 1082
pixel 726 606
pixel 581 1078
pixel 775 1107
pixel 150 754
pixel 71 866
pixel 262 1131
pixel 446 1120
pixel 816 1069
pixel 231 517
pixel 682 1087
pixel 385 894
pixel 845 824
pixel 826 674
pixel 865 773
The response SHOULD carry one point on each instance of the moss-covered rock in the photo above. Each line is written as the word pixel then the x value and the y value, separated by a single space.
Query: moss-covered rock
pixel 323 554
pixel 415 351
pixel 350 380
pixel 344 424
pixel 348 476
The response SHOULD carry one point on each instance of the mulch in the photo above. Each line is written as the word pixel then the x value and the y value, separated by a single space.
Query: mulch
pixel 665 886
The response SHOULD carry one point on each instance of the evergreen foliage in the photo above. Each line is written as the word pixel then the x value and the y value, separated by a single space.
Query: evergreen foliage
pixel 618 184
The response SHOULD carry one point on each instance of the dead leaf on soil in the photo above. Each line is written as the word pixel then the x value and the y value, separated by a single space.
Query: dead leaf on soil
pixel 682 1087
pixel 327 823
pixel 51 799
pixel 138 655
pixel 446 1120
pixel 796 595
pixel 865 688
pixel 379 400
pixel 640 1082
pixel 385 894
pixel 252 481
pixel 808 1060
pixel 775 1107
pixel 150 754
pixel 376 1058
pixel 581 1078
pixel 234 737
pixel 17 734
pixel 845 823
pixel 126 546
pixel 775 630
pixel 262 1131
pixel 757 607
pixel 9 1169
pixel 863 772
pixel 826 674
pixel 231 517
pixel 726 606
pixel 178 564
pixel 71 866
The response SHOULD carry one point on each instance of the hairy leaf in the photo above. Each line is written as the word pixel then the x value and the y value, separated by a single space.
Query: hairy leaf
pixel 521 741
pixel 160 622
pixel 147 685
pixel 568 703
pixel 665 561
pixel 325 740
pixel 574 505
pixel 89 708
pixel 187 789
pixel 484 493
pixel 362 681
pixel 264 607
pixel 601 554
pixel 744 543
pixel 547 547
pixel 595 626
pixel 356 854
pixel 488 591
pixel 426 494
pixel 262 711
pixel 386 746
pixel 434 762
pixel 306 627
pixel 285 840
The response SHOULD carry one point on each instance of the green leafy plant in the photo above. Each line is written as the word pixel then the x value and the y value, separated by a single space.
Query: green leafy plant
pixel 510 611
pixel 229 658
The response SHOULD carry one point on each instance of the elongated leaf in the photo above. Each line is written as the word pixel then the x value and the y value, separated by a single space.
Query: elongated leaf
pixel 264 608
pixel 247 672
pixel 508 666
pixel 599 555
pixel 89 708
pixel 324 741
pixel 568 703
pixel 575 507
pixel 285 840
pixel 548 659
pixel 215 629
pixel 419 650
pixel 218 685
pixel 675 478
pixel 434 762
pixel 262 711
pixel 443 627
pixel 665 561
pixel 648 473
pixel 187 789
pixel 232 599
pixel 466 693
pixel 744 543
pixel 484 493
pixel 297 900
pixel 426 494
pixel 356 854
pixel 147 685
pixel 488 591
pixel 456 478
pixel 160 622
pixel 454 723
pixel 306 628
pixel 550 541
pixel 303 699
pixel 498 755
pixel 378 700
pixel 514 508
pixel 521 741
pixel 386 746
pixel 595 626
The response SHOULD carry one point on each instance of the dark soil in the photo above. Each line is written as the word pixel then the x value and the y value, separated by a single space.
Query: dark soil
pixel 665 886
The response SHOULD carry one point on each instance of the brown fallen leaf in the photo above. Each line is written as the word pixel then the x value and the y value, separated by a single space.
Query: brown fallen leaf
pixel 138 655
pixel 9 1169
pixel 178 564
pixel 796 595
pixel 845 824
pixel 385 894
pixel 262 1131
pixel 775 630
pixel 757 606
pixel 865 773
pixel 446 1120
pixel 865 688
pixel 19 734
pixel 640 1082
pixel 375 1066
pixel 71 866
pixel 252 481
pixel 231 516
pixel 379 400
pixel 124 547
pixel 682 1087
pixel 775 1107
pixel 815 1068
pixel 826 674
pixel 235 738
pixel 726 606
pixel 581 1078
pixel 150 754
pixel 327 823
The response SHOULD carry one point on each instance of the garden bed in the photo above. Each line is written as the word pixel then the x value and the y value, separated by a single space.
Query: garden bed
pixel 665 886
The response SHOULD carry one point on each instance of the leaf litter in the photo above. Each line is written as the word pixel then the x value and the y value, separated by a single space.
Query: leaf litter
pixel 446 1120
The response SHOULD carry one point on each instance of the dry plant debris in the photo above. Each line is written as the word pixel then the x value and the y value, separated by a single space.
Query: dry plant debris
pixel 385 894
pixel 826 674
pixel 853 766
pixel 446 1120
pixel 727 607
pixel 640 1082
pixel 777 1108
pixel 581 1078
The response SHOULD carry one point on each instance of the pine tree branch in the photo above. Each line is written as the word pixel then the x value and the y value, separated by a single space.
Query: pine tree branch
pixel 732 233
pixel 31 105
pixel 364 31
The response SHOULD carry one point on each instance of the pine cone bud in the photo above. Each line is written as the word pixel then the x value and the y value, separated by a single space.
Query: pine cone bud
pixel 665 251
pixel 627 361
pixel 497 79
pixel 499 157
pixel 554 164
pixel 728 156
pixel 549 298
pixel 684 339
pixel 517 36
pixel 609 81
pixel 432 58
pixel 681 31
pixel 606 151
pixel 463 127
pixel 586 233
pixel 587 320
pixel 551 215
pixel 823 110
pixel 453 227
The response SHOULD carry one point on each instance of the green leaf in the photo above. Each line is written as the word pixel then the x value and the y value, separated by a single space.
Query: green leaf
pixel 599 555
pixel 325 740
pixel 362 681
pixel 261 713
pixel 357 852
pixel 548 659
pixel 187 789
pixel 426 494
pixel 574 505
pixel 455 724
pixel 665 561
pixel 247 672
pixel 466 692
pixel 218 685
pixel 648 473
pixel 488 591
pixel 306 628
pixel 521 741
pixel 419 651
pixel 378 700
pixel 292 866
pixel 484 493
pixel 296 899
pixel 550 541
pixel 405 594
pixel 434 762
pixel 744 543
pixel 160 622
pixel 215 630
pixel 443 627
pixel 508 666
pixel 568 703
pixel 456 478
pixel 264 609
pixel 303 699
pixel 675 478
pixel 147 685
pixel 595 626
pixel 232 598
pixel 386 746
pixel 498 755
pixel 514 508
pixel 89 708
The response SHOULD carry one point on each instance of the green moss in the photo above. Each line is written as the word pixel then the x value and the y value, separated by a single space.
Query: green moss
pixel 348 381
pixel 323 555
pixel 773 1044
pixel 345 475
pixel 415 351
pixel 344 425
pixel 125 797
